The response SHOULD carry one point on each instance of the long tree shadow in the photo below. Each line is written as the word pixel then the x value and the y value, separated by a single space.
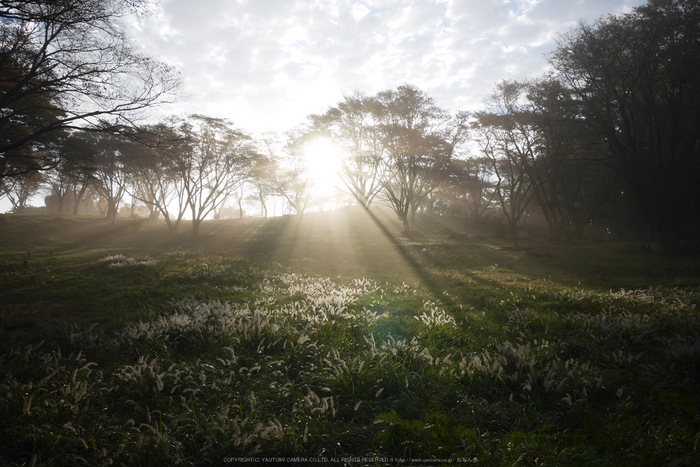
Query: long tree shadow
pixel 421 264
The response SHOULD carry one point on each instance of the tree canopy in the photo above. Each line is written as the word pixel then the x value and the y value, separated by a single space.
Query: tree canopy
pixel 635 77
pixel 69 65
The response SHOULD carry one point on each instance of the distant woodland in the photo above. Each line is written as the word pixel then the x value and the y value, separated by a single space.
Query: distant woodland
pixel 607 142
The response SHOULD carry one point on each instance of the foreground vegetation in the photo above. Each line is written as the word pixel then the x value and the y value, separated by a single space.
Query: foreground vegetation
pixel 319 337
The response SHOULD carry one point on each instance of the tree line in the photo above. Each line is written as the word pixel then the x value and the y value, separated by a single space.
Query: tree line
pixel 610 138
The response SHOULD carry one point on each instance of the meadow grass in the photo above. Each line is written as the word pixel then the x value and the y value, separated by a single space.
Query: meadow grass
pixel 288 338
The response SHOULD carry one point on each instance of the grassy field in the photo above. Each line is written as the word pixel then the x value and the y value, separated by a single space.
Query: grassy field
pixel 334 337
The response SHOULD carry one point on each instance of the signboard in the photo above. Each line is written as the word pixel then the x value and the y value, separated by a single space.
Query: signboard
pixel 522 235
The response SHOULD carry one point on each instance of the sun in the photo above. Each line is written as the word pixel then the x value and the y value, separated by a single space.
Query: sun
pixel 324 161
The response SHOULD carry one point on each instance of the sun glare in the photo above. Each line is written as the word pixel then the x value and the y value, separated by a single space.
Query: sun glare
pixel 324 162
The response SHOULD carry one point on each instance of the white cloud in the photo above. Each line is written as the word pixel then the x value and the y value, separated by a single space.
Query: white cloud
pixel 267 64
pixel 359 11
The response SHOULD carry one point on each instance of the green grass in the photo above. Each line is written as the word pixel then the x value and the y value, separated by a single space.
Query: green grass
pixel 324 337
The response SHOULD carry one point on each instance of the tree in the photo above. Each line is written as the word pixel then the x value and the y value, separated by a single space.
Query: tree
pixel 635 78
pixel 419 140
pixel 68 65
pixel 213 162
pixel 538 128
pixel 570 164
pixel 262 174
pixel 109 173
pixel 155 171
pixel 77 164
pixel 239 194
pixel 530 140
pixel 353 125
pixel 20 188
pixel 59 185
pixel 512 187
pixel 289 171
pixel 469 185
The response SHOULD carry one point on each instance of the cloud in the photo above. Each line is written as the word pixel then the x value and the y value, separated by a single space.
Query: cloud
pixel 267 64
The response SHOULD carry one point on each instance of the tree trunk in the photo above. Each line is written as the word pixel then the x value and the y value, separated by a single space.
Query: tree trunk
pixel 414 209
pixel 404 221
pixel 173 226
pixel 60 199
pixel 513 226
pixel 112 211
pixel 78 198
pixel 195 226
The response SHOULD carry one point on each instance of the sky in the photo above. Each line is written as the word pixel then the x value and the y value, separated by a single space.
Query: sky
pixel 268 64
